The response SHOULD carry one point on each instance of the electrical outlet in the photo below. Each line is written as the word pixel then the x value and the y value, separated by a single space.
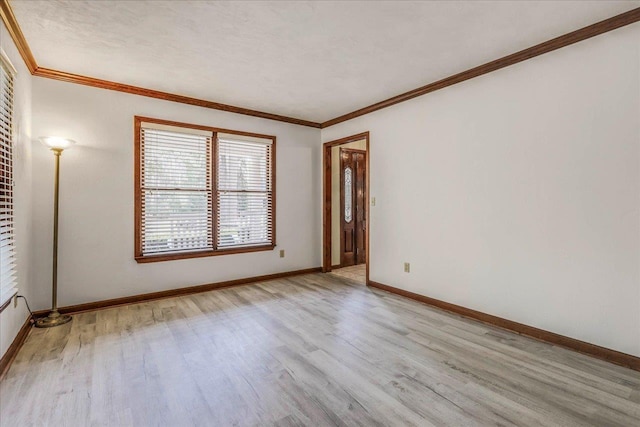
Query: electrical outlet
pixel 373 201
pixel 407 267
pixel 281 253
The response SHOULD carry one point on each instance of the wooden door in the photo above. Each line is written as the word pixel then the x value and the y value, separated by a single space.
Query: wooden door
pixel 353 207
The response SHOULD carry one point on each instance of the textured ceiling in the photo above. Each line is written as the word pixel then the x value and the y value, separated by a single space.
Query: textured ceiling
pixel 310 60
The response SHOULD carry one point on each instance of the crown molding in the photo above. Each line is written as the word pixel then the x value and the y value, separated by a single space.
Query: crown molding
pixel 559 42
pixel 151 93
pixel 16 34
pixel 593 30
pixel 23 47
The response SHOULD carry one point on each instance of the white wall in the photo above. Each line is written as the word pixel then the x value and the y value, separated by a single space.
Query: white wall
pixel 12 318
pixel 335 195
pixel 97 205
pixel 518 193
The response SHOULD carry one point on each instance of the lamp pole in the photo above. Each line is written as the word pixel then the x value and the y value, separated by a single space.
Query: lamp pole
pixel 54 318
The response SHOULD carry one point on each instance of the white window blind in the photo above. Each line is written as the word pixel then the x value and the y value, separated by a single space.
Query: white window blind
pixel 202 192
pixel 244 193
pixel 8 281
pixel 176 190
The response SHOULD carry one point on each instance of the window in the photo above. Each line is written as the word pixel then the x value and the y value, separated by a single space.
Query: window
pixel 8 283
pixel 348 197
pixel 201 191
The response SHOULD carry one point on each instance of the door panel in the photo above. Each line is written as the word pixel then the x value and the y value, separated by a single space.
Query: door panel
pixel 353 207
pixel 361 206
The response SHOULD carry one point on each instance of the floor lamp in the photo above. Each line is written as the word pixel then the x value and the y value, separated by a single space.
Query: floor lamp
pixel 54 318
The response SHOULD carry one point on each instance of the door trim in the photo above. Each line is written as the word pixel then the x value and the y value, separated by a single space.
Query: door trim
pixel 326 198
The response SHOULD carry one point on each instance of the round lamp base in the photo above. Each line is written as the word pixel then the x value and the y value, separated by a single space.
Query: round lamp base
pixel 53 319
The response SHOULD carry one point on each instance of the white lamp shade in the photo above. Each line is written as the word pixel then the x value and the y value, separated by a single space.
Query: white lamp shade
pixel 57 142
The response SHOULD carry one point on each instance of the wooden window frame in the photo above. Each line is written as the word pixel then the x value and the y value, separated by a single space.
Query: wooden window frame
pixel 138 255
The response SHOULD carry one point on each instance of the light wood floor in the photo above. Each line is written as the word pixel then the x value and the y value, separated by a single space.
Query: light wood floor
pixel 309 350
pixel 356 273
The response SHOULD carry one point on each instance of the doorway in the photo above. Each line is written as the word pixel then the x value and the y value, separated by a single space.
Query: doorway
pixel 346 207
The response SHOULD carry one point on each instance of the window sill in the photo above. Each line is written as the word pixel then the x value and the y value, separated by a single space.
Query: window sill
pixel 6 298
pixel 200 254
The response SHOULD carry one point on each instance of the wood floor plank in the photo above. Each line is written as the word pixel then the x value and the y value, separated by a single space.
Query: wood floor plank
pixel 319 350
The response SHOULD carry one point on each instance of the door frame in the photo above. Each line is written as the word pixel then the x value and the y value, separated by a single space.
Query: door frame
pixel 342 202
pixel 326 198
